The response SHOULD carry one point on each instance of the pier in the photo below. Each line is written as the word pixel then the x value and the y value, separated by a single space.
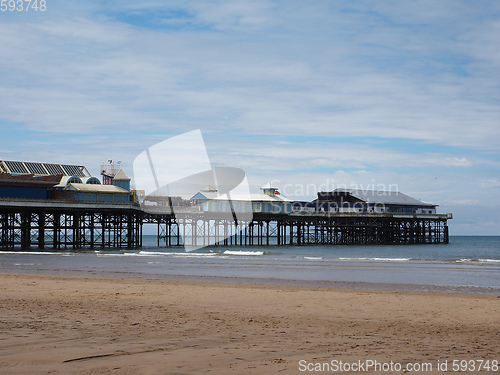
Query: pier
pixel 28 224
pixel 318 228
pixel 61 206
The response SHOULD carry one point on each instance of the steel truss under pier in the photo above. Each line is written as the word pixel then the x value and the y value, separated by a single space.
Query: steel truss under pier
pixel 75 226
pixel 203 229
pixel 63 225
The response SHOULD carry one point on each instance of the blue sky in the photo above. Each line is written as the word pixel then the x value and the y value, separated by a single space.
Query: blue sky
pixel 299 93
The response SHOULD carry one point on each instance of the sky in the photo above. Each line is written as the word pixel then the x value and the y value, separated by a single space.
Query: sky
pixel 308 95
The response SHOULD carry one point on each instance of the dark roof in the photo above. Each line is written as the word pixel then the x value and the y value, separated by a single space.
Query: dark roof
pixel 385 197
pixel 6 179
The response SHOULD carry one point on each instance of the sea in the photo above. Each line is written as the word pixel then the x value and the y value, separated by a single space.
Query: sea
pixel 468 264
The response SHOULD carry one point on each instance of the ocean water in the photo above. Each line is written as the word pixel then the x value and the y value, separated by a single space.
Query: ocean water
pixel 467 264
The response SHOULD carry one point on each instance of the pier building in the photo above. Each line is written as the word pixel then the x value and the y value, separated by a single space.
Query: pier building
pixel 108 171
pixel 27 186
pixel 269 201
pixel 204 195
pixel 65 181
pixel 98 193
pixel 117 190
pixel 121 180
pixel 360 200
pixel 62 206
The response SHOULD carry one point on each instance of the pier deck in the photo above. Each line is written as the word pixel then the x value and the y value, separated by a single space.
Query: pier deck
pixel 39 224
pixel 319 228
pixel 62 224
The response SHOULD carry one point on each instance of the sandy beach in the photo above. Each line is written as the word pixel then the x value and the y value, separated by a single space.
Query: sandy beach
pixel 77 325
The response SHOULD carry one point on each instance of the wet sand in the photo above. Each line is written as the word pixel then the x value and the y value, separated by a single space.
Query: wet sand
pixel 81 325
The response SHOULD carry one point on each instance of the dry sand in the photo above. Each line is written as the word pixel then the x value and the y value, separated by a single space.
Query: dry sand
pixel 76 325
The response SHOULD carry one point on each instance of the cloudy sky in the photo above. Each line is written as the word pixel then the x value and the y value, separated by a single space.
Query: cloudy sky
pixel 306 94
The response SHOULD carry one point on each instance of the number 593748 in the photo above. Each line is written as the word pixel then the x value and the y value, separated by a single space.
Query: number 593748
pixel 23 5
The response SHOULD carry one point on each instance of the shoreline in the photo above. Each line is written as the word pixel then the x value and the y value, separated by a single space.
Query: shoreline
pixel 77 325
pixel 424 288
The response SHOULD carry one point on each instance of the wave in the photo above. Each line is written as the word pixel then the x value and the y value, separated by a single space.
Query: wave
pixel 379 259
pixel 246 253
pixel 313 258
pixel 26 264
pixel 467 260
pixel 186 254
pixel 154 254
pixel 193 255
pixel 200 255
pixel 35 253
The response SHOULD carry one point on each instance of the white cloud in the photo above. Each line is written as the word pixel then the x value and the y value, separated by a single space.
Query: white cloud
pixel 266 81
pixel 129 73
pixel 490 183
pixel 238 15
pixel 463 202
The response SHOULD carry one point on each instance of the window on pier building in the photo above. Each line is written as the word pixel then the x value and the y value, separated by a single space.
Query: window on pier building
pixel 74 180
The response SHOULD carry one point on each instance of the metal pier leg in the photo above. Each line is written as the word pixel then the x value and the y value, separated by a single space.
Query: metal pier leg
pixel 25 230
pixel 267 233
pixel 41 230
